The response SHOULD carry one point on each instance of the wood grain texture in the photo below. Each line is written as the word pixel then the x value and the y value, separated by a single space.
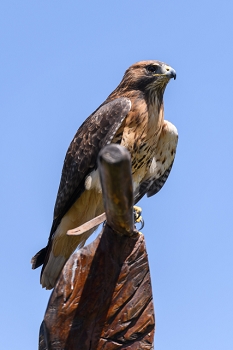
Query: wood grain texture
pixel 103 298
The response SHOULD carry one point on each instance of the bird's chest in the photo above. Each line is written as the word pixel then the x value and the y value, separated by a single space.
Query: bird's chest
pixel 141 159
pixel 140 136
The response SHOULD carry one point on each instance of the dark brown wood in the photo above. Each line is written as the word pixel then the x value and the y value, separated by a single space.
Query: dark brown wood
pixel 103 297
pixel 115 175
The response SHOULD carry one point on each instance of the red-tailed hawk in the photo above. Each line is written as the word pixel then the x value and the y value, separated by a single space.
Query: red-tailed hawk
pixel 132 116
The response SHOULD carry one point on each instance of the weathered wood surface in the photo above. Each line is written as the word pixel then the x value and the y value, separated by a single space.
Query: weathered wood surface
pixel 103 297
pixel 115 175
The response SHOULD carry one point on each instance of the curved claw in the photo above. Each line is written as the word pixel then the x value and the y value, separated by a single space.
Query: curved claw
pixel 142 224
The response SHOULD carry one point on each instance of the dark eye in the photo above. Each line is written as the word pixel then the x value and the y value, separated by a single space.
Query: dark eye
pixel 152 69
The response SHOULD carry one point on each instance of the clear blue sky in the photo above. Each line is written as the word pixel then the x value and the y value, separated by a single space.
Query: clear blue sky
pixel 59 60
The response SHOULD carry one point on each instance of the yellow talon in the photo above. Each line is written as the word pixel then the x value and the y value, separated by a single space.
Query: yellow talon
pixel 137 216
pixel 137 213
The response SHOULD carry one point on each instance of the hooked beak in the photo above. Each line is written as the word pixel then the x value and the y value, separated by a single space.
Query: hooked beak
pixel 169 72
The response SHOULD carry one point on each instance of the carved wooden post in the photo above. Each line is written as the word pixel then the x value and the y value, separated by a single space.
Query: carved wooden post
pixel 103 297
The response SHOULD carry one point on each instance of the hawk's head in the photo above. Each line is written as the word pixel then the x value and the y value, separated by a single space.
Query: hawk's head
pixel 147 76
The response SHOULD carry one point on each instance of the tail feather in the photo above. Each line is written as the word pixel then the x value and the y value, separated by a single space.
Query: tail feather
pixel 39 258
pixel 53 265
pixel 52 271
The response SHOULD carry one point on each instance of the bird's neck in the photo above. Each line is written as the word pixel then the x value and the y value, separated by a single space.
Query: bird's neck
pixel 156 111
pixel 155 106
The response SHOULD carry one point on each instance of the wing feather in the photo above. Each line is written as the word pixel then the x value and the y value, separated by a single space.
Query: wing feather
pixel 81 158
pixel 152 185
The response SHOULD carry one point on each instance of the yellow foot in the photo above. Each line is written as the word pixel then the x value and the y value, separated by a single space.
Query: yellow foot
pixel 137 216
